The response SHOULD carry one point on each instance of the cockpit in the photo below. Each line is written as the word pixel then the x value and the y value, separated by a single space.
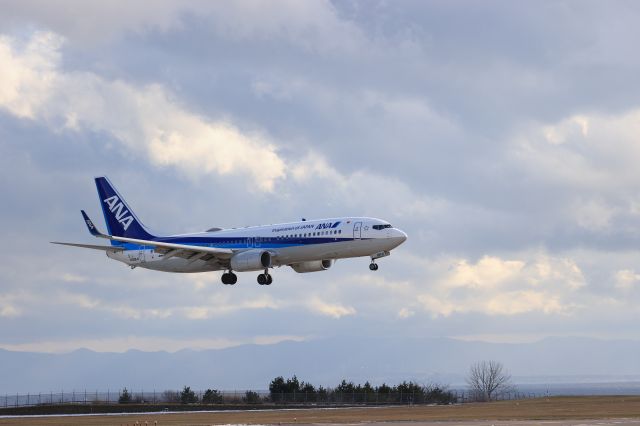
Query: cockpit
pixel 381 227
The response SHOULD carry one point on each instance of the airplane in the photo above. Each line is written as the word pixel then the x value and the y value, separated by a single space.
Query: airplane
pixel 305 246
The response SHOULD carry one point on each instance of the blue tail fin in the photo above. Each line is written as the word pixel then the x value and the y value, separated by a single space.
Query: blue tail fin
pixel 121 221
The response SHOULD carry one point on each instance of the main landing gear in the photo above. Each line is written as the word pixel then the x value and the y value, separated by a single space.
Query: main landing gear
pixel 265 279
pixel 373 266
pixel 229 278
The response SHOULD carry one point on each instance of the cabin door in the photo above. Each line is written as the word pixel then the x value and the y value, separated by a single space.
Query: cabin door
pixel 357 230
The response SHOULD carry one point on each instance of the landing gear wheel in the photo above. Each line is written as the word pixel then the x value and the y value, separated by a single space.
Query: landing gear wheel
pixel 373 266
pixel 265 279
pixel 229 278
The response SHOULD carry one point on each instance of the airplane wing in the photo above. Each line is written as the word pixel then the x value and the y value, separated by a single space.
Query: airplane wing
pixel 172 247
pixel 188 251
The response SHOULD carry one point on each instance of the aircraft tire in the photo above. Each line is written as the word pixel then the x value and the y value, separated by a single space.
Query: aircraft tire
pixel 229 278
pixel 269 279
pixel 262 279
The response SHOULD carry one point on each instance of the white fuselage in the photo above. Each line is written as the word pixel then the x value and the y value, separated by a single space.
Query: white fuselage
pixel 288 244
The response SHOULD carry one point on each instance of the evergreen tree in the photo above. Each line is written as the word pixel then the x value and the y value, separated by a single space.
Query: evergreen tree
pixel 187 396
pixel 125 397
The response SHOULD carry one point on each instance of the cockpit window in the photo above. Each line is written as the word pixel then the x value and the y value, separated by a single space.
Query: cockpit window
pixel 380 227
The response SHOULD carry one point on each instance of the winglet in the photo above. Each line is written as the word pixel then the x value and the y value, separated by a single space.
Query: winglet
pixel 92 228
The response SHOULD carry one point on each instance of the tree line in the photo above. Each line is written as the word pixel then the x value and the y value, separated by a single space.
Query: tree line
pixel 487 381
pixel 292 390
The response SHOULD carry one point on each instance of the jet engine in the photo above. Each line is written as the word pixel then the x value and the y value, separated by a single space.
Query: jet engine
pixel 312 266
pixel 251 260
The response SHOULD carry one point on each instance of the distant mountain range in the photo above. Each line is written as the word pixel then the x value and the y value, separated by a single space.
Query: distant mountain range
pixel 321 362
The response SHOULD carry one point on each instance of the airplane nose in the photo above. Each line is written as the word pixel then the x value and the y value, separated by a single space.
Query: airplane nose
pixel 398 237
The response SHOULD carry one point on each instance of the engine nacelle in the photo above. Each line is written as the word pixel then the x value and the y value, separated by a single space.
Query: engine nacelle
pixel 312 266
pixel 251 260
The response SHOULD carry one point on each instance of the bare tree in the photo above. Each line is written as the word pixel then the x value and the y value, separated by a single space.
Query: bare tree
pixel 488 380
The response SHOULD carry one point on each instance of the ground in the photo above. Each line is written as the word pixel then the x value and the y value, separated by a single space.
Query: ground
pixel 575 411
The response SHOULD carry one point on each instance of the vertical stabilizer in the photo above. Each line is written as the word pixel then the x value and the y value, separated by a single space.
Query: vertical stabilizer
pixel 120 219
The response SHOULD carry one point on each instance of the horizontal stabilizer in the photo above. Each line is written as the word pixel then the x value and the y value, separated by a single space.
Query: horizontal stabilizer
pixel 90 246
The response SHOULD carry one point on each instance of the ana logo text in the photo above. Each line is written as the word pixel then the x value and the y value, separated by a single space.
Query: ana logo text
pixel 119 211
pixel 327 225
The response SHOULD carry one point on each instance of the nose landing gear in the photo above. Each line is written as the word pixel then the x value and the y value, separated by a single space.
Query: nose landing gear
pixel 373 265
pixel 229 278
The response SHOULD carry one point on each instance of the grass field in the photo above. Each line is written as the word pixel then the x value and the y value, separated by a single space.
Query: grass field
pixel 554 408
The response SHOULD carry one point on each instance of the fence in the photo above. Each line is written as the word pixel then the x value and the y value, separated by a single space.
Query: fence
pixel 330 398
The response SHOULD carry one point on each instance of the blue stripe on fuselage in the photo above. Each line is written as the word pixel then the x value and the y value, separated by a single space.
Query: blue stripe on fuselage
pixel 242 242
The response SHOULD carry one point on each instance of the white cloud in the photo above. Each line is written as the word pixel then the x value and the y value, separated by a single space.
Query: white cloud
pixel 146 121
pixel 489 272
pixel 334 310
pixel 626 279
pixel 149 122
pixel 496 286
pixel 353 191
pixel 73 278
pixel 596 153
pixel 570 128
pixel 28 78
pixel 8 310
pixel 223 307
pixel 405 313
pixel 136 313
pixel 584 170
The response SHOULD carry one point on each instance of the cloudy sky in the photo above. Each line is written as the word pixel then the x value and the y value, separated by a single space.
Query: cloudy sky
pixel 501 136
